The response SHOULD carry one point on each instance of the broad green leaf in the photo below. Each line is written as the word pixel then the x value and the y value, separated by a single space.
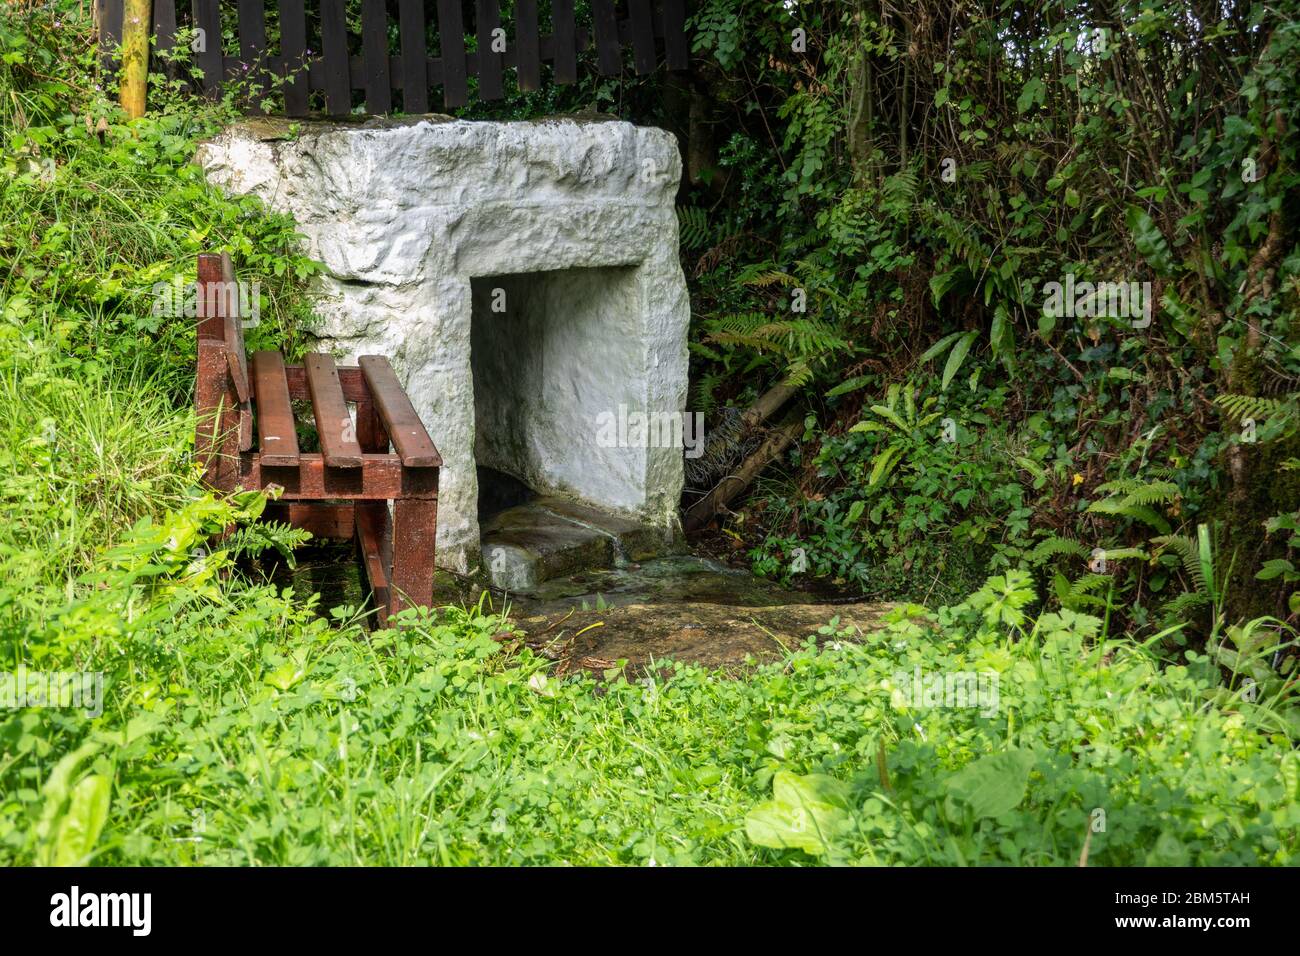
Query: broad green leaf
pixel 992 785
pixel 938 347
pixel 1273 568
pixel 81 825
pixel 884 462
pixel 285 676
pixel 1149 240
pixel 805 813
pixel 1033 92
pixel 955 359
pixel 939 286
pixel 868 427
pixel 850 385
pixel 998 333
pixel 1205 554
pixel 891 416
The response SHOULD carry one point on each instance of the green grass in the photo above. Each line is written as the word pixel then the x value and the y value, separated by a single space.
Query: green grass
pixel 83 456
pixel 240 728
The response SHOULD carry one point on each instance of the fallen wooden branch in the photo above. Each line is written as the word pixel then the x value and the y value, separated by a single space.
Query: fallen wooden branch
pixel 767 405
pixel 726 490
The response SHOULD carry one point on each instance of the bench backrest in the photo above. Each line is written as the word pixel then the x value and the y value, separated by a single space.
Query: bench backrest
pixel 222 397
pixel 218 307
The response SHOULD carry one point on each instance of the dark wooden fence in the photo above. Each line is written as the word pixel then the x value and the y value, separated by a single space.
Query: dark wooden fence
pixel 318 63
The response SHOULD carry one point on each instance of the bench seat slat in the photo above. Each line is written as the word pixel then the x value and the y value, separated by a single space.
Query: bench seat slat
pixel 404 427
pixel 277 440
pixel 338 435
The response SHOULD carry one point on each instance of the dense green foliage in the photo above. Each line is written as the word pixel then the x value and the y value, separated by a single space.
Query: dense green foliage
pixel 919 174
pixel 239 726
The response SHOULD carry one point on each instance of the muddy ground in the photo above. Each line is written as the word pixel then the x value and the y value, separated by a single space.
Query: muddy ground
pixel 683 607
pixel 713 635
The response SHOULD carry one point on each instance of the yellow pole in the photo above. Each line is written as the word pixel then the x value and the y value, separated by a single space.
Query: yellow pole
pixel 136 18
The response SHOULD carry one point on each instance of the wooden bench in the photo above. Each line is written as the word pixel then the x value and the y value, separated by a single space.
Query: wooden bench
pixel 247 439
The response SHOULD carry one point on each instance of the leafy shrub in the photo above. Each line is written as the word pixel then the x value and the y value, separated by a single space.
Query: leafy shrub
pixel 914 500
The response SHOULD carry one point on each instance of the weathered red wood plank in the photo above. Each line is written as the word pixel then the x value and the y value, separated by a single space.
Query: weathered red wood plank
pixel 323 519
pixel 217 429
pixel 338 434
pixel 414 531
pixel 350 377
pixel 379 477
pixel 404 427
pixel 277 440
pixel 370 430
pixel 375 542
pixel 218 324
pixel 211 316
pixel 228 301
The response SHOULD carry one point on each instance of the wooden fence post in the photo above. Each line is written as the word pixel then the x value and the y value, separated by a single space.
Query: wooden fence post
pixel 137 18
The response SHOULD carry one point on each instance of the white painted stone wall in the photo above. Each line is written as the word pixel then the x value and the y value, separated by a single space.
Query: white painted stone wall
pixel 405 214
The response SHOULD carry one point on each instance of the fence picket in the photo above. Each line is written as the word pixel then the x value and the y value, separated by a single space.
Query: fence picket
pixel 374 56
pixel 609 55
pixel 643 36
pixel 487 17
pixel 565 61
pixel 677 53
pixel 528 62
pixel 110 32
pixel 293 50
pixel 451 38
pixel 334 56
pixel 252 52
pixel 207 17
pixel 415 78
pixel 164 29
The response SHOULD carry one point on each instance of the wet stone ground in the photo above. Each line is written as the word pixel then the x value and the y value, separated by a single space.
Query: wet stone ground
pixel 680 607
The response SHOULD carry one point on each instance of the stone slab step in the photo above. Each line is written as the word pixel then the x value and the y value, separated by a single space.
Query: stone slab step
pixel 553 537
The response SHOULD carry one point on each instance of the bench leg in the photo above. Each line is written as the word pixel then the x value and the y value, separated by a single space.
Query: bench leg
pixel 375 544
pixel 415 523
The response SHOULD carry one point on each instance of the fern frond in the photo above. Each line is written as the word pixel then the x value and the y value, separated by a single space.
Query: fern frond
pixel 1089 583
pixel 767 279
pixel 1055 546
pixel 1188 552
pixel 1117 508
pixel 693 227
pixel 1242 407
pixel 1137 492
pixel 798 374
pixel 1181 605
